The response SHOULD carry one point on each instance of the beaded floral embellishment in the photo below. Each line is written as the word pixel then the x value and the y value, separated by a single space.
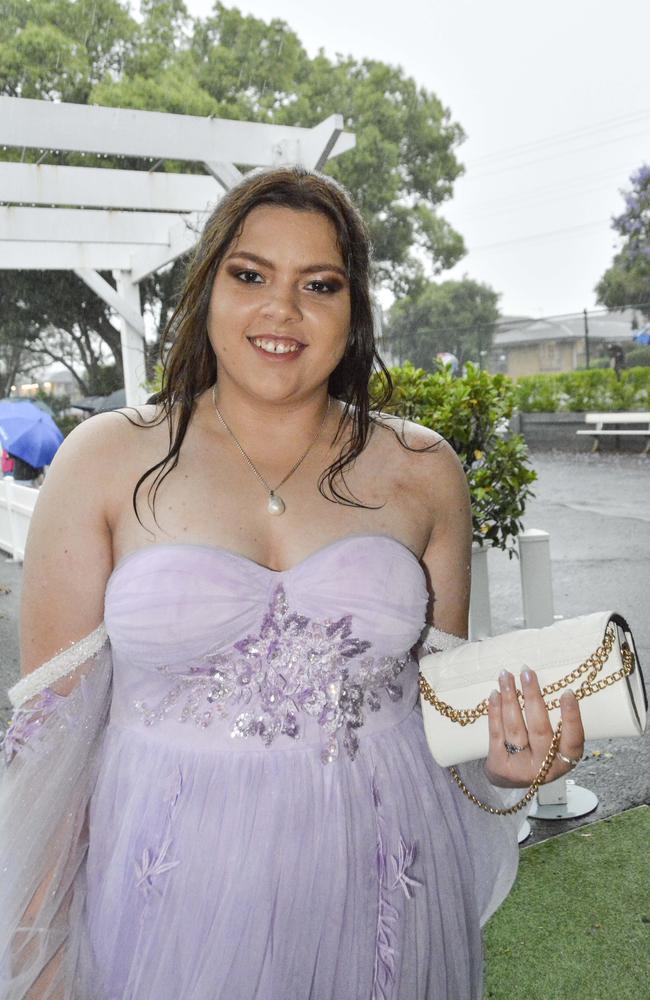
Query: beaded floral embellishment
pixel 294 665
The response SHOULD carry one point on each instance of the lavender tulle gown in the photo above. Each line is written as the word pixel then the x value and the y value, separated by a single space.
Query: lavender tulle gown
pixel 267 821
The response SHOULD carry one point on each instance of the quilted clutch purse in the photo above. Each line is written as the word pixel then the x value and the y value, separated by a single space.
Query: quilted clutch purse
pixel 593 654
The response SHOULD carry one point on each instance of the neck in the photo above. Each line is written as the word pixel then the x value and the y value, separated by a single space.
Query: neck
pixel 284 423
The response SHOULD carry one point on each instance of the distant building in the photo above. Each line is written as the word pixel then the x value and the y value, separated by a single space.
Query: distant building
pixel 55 383
pixel 525 346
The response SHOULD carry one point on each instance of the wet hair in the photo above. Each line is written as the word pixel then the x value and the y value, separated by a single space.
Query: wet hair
pixel 190 366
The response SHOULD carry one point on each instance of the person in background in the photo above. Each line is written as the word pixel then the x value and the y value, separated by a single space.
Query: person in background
pixel 6 464
pixel 26 474
pixel 616 358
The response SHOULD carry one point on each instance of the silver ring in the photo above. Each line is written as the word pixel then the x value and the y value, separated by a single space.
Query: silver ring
pixel 512 747
pixel 567 760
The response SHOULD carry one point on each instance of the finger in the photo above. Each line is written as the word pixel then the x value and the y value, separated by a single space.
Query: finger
pixel 540 730
pixel 513 720
pixel 572 740
pixel 495 721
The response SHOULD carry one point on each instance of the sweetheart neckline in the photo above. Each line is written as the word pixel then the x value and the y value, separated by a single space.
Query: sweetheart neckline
pixel 221 550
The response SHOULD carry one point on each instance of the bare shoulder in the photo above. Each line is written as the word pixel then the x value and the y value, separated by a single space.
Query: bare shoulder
pixel 105 435
pixel 433 465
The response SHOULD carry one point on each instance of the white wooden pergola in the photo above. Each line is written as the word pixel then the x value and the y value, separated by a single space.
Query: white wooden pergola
pixel 130 222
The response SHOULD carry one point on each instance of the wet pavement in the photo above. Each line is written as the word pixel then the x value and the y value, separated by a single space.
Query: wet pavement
pixel 597 511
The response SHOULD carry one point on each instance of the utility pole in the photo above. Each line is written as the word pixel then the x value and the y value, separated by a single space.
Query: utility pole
pixel 586 338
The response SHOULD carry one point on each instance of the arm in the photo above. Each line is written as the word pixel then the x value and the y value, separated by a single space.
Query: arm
pixel 68 558
pixel 447 560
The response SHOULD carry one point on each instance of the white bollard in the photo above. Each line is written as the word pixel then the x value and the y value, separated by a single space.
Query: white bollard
pixel 562 798
pixel 480 615
pixel 536 577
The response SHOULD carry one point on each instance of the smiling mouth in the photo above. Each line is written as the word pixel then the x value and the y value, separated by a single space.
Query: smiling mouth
pixel 273 345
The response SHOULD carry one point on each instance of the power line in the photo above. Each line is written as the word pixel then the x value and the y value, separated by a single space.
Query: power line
pixel 551 156
pixel 537 236
pixel 504 325
pixel 562 137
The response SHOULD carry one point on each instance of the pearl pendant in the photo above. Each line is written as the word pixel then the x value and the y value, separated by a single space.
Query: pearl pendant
pixel 275 504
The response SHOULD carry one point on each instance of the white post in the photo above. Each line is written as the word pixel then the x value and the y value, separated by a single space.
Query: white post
pixel 562 798
pixel 133 359
pixel 480 615
pixel 536 578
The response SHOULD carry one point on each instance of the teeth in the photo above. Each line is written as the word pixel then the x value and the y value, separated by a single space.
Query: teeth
pixel 276 348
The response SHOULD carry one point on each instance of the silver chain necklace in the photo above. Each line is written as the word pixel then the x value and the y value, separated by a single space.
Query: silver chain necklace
pixel 275 504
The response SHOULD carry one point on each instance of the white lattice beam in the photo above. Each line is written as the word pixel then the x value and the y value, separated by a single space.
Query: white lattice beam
pixel 112 298
pixel 97 187
pixel 26 256
pixel 125 131
pixel 70 225
pixel 182 237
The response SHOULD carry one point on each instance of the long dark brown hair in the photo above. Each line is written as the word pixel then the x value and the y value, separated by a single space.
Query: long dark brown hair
pixel 190 366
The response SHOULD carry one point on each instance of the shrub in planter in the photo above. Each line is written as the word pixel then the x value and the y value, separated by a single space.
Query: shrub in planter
pixel 470 413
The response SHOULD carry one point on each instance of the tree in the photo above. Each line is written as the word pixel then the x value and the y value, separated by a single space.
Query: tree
pixel 627 281
pixel 56 318
pixel 454 316
pixel 235 66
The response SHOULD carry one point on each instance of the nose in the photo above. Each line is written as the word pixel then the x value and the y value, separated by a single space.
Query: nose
pixel 281 304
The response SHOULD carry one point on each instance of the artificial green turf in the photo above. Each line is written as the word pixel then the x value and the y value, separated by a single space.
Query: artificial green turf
pixel 576 925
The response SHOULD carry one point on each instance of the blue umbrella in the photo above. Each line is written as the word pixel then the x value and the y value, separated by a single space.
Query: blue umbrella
pixel 28 432
pixel 642 337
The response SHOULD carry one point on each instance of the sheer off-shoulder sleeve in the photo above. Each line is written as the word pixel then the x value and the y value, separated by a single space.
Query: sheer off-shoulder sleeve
pixel 50 757
pixel 495 874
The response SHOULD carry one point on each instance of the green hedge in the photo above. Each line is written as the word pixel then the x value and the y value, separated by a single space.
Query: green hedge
pixel 471 413
pixel 594 389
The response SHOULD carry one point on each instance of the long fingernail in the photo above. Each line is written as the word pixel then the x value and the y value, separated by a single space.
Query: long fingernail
pixel 526 676
pixel 503 677
pixel 494 697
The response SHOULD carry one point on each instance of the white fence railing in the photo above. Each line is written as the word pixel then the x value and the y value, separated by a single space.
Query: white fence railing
pixel 16 506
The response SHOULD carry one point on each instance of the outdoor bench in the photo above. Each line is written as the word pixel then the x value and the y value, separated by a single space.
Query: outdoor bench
pixel 611 423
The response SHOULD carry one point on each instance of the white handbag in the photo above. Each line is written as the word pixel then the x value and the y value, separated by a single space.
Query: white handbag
pixel 593 654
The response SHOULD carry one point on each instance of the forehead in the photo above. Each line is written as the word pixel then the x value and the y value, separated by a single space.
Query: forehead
pixel 274 230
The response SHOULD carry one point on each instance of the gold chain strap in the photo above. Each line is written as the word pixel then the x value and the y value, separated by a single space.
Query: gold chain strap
pixel 539 780
pixel 590 685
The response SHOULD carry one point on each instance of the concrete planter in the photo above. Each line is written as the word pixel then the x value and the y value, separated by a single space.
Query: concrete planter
pixel 549 431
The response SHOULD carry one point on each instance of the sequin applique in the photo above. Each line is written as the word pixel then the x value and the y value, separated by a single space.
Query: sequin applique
pixel 294 665
pixel 28 721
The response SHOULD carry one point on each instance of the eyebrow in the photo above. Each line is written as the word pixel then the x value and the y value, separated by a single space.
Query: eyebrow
pixel 309 269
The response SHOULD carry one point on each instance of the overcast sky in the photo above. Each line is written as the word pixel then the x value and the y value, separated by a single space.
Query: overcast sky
pixel 555 101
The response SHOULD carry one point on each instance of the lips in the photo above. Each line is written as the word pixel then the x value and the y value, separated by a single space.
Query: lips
pixel 288 341
pixel 277 348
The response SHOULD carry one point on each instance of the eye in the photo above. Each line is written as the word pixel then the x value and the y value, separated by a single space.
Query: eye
pixel 249 277
pixel 323 287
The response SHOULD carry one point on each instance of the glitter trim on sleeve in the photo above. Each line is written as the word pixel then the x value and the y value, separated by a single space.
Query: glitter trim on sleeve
pixel 434 640
pixel 56 668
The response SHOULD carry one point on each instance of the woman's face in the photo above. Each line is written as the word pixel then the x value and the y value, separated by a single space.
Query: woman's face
pixel 279 312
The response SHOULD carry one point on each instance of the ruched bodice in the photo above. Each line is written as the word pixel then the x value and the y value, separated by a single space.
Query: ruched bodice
pixel 216 651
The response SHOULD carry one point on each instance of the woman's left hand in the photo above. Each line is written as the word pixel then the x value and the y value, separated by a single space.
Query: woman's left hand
pixel 534 734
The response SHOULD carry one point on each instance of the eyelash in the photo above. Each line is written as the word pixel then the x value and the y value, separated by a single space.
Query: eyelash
pixel 329 287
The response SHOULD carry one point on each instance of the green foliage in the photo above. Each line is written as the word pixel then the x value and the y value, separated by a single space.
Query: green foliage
pixel 595 389
pixel 58 50
pixel 470 412
pixel 455 316
pixel 638 356
pixel 627 281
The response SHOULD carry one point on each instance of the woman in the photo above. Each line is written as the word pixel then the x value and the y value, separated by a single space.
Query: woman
pixel 265 819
